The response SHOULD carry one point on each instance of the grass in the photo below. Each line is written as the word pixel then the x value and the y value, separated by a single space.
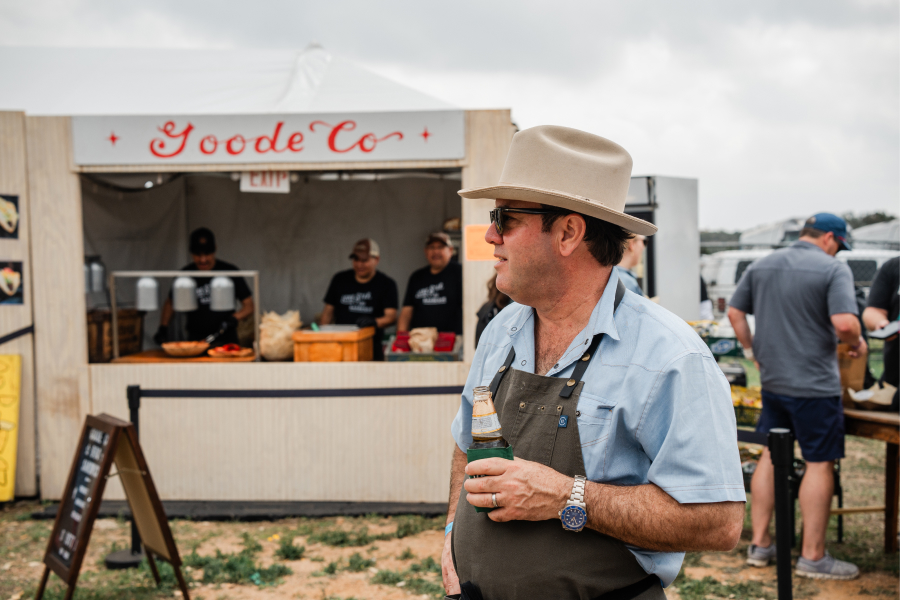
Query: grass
pixel 287 550
pixel 701 589
pixel 414 579
pixel 357 563
pixel 239 568
pixel 407 525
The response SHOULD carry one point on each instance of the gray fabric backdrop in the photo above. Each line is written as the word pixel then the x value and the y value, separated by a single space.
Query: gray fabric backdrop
pixel 297 241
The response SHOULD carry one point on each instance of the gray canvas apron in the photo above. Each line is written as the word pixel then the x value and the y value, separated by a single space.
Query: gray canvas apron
pixel 536 560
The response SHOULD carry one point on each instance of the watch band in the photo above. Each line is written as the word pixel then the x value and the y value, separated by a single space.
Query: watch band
pixel 578 490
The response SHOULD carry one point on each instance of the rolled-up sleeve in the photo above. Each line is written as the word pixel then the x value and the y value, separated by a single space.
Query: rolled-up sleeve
pixel 688 431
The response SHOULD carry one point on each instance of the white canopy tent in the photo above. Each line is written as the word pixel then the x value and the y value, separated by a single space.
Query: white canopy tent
pixel 94 81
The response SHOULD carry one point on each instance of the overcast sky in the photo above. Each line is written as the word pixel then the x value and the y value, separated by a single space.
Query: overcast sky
pixel 779 108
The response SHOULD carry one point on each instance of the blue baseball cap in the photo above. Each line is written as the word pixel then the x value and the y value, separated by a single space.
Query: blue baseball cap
pixel 826 222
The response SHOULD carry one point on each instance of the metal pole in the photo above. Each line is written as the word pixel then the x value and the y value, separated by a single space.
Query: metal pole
pixel 130 559
pixel 781 448
pixel 115 316
pixel 134 413
pixel 256 322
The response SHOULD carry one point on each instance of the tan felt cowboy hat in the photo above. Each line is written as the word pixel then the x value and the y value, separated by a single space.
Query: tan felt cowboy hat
pixel 570 169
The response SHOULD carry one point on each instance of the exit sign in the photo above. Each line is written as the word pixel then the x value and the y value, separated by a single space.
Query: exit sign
pixel 270 182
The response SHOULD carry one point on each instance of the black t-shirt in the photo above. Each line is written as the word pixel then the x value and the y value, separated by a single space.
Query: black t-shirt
pixel 884 295
pixel 352 300
pixel 203 321
pixel 436 299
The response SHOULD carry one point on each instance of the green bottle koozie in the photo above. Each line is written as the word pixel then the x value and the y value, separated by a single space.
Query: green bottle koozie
pixel 479 453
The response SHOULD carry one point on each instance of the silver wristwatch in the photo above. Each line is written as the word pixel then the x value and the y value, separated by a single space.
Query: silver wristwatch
pixel 574 513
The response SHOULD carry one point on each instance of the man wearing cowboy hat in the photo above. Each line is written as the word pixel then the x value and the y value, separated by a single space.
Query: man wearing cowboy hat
pixel 620 419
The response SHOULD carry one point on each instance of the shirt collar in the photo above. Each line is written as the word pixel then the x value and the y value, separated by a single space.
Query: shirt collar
pixel 601 321
pixel 805 244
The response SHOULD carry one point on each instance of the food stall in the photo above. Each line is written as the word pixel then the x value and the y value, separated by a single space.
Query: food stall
pixel 289 158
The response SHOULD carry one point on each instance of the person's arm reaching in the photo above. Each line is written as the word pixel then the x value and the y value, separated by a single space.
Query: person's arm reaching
pixel 327 316
pixel 846 326
pixel 390 316
pixel 457 477
pixel 406 314
pixel 875 318
pixel 741 328
pixel 246 309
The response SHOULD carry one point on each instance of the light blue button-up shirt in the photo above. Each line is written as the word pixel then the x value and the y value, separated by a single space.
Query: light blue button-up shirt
pixel 655 407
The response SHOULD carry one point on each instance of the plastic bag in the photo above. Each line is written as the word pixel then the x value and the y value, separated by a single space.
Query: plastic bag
pixel 275 334
pixel 422 339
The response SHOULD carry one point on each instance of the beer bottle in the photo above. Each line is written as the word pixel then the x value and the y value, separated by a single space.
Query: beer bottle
pixel 486 430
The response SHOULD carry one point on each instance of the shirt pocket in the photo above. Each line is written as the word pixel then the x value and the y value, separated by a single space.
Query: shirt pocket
pixel 594 424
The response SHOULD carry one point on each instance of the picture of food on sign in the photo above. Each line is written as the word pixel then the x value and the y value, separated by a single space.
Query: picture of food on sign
pixel 11 283
pixel 9 216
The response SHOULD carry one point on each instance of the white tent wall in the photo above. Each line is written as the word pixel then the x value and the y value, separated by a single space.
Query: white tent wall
pixel 297 241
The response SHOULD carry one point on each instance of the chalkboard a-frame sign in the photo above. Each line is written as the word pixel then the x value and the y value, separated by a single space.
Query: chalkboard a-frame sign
pixel 105 441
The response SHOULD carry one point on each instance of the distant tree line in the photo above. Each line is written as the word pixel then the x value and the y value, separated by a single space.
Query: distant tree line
pixel 855 221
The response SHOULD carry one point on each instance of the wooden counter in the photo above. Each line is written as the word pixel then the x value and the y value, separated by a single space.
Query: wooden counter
pixel 882 426
pixel 158 356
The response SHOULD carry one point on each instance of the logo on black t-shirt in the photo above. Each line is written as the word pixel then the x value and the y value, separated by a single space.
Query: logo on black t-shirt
pixel 429 296
pixel 358 302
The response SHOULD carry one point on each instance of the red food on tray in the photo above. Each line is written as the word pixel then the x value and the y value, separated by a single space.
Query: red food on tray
pixel 445 342
pixel 230 351
pixel 401 342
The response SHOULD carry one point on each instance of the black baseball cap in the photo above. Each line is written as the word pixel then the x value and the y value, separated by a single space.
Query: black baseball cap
pixel 203 241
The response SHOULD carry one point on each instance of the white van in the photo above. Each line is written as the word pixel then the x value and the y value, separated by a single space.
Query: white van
pixel 723 270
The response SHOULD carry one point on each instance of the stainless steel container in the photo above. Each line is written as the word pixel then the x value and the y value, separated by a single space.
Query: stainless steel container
pixel 221 294
pixel 184 294
pixel 147 294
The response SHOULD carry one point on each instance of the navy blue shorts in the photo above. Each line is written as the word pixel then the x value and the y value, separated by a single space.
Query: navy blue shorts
pixel 817 423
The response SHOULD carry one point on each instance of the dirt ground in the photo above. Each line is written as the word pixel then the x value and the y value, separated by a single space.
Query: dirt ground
pixel 392 556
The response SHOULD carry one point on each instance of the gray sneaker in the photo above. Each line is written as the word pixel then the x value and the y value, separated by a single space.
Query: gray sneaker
pixel 826 567
pixel 757 556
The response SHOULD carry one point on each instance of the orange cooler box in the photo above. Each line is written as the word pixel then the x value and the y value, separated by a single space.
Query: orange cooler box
pixel 333 346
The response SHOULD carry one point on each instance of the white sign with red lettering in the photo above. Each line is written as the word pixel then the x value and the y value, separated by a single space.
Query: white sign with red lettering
pixel 242 139
pixel 270 182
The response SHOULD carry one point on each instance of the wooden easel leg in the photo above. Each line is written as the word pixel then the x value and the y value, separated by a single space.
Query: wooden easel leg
pixel 40 590
pixel 181 583
pixel 891 493
pixel 152 563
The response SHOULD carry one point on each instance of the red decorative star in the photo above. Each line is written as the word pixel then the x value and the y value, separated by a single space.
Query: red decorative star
pixel 112 138
pixel 425 134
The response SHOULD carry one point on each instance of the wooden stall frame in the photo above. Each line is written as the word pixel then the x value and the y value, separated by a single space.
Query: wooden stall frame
pixel 137 274
pixel 68 387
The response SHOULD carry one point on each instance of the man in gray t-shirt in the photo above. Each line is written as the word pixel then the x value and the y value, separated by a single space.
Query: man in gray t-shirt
pixel 804 301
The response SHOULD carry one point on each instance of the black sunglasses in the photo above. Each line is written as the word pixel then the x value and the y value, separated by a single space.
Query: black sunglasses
pixel 497 214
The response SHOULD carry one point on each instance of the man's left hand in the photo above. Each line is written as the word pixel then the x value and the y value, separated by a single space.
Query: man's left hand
pixel 526 491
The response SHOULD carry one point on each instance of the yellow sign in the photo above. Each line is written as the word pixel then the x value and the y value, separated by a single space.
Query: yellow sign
pixel 10 376
pixel 476 247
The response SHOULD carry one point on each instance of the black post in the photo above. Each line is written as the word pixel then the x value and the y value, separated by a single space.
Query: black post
pixel 129 559
pixel 781 448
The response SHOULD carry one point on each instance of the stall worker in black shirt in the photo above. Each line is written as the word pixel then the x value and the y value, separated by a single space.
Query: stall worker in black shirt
pixel 362 296
pixel 883 308
pixel 434 293
pixel 204 321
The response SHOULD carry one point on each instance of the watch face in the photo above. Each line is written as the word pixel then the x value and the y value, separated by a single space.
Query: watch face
pixel 573 517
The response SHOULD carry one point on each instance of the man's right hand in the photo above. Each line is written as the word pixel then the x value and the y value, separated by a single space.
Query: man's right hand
pixel 451 580
pixel 161 336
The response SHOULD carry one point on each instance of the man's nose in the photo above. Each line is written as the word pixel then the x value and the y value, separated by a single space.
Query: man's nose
pixel 491 236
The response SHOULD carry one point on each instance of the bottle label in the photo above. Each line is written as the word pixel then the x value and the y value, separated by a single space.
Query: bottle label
pixel 482 425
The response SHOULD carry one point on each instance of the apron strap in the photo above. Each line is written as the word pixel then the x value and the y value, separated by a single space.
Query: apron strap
pixel 582 364
pixel 498 377
pixel 580 368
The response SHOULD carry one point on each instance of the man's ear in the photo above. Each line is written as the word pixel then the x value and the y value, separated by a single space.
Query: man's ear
pixel 571 232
